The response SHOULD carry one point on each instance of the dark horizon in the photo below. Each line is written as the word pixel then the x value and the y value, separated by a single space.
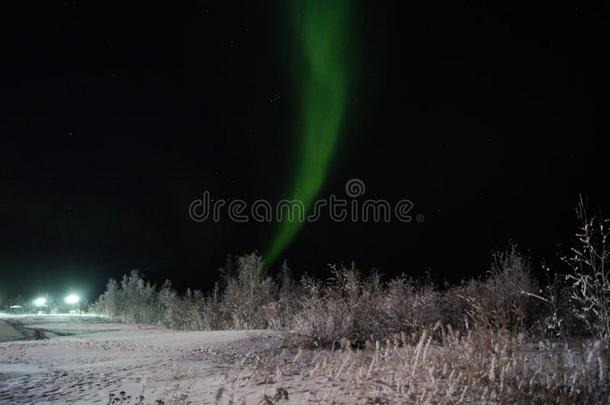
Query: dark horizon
pixel 491 119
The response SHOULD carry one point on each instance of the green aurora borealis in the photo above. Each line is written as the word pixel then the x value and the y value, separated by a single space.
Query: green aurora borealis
pixel 322 29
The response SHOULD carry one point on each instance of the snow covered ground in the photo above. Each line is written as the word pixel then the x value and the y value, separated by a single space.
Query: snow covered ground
pixel 85 360
pixel 88 360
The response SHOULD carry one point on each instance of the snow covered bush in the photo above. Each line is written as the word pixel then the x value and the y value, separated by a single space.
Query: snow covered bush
pixel 133 300
pixel 500 301
pixel 247 290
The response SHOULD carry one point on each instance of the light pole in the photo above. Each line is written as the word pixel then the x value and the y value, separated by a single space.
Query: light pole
pixel 39 303
pixel 72 300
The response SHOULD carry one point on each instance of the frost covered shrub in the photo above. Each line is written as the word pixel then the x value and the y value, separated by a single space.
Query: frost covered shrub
pixel 346 305
pixel 501 300
pixel 411 306
pixel 279 313
pixel 131 300
pixel 324 313
pixel 360 308
pixel 365 308
pixel 191 311
pixel 247 290
pixel 236 304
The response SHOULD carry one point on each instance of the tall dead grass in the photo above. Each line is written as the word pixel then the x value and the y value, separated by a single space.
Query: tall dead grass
pixel 455 370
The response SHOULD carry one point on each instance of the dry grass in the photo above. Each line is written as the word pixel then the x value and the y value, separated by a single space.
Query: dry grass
pixel 475 368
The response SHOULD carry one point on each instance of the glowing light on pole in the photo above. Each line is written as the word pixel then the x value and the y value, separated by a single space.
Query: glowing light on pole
pixel 72 299
pixel 40 302
pixel 322 30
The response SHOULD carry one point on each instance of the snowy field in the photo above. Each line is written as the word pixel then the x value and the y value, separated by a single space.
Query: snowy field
pixel 86 360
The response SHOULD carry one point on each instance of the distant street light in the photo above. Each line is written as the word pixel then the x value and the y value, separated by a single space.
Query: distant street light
pixel 40 302
pixel 72 299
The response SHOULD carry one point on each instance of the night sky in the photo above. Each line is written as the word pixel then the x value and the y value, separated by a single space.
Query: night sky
pixel 491 118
